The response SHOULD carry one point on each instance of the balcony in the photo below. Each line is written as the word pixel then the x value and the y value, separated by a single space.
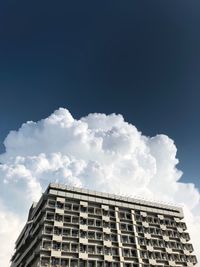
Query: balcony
pixel 59 211
pixel 58 223
pixel 56 253
pixel 83 255
pixel 57 238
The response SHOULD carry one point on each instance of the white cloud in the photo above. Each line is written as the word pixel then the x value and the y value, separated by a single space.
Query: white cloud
pixel 10 226
pixel 99 151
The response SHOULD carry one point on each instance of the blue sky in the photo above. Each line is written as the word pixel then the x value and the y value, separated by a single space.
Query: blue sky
pixel 137 58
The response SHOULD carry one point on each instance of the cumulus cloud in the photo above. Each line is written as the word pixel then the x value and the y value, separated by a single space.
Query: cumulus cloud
pixel 99 151
pixel 10 226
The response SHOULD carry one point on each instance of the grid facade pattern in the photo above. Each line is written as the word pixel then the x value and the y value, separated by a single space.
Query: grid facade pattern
pixel 76 227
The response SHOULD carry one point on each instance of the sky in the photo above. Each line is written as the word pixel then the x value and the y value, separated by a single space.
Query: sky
pixel 140 59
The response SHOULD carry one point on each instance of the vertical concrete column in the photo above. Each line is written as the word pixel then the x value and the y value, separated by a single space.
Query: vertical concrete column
pixel 119 236
pixel 136 237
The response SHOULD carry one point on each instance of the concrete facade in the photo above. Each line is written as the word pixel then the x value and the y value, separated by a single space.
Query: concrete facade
pixel 82 228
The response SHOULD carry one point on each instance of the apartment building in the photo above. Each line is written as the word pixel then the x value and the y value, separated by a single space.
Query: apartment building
pixel 76 227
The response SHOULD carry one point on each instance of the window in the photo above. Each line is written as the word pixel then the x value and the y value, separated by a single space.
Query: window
pixel 65 246
pixel 98 211
pixel 64 262
pixel 114 237
pixel 99 264
pixel 82 221
pixel 75 220
pixel 105 224
pixel 113 225
pixel 82 248
pixel 56 245
pixel 58 218
pixel 76 207
pixel 74 247
pixel 107 250
pixel 91 264
pixel 130 227
pixel 66 232
pixel 74 263
pixel 68 206
pixel 60 205
pixel 112 214
pixel 83 234
pixel 115 251
pixel 91 235
pixel 133 253
pixel 90 222
pixel 44 261
pixel 99 250
pixel 98 223
pixel 126 252
pixel 91 210
pixel 67 219
pixel 99 236
pixel 83 209
pixel 91 249
pixel 54 261
pixel 124 238
pixel 82 263
pixel 57 231
pixel 74 233
pixel 48 230
pixel 123 226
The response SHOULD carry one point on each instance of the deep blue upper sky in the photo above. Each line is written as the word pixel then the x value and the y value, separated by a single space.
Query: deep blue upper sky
pixel 139 58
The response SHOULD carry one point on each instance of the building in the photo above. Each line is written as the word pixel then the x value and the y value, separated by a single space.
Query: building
pixel 78 227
